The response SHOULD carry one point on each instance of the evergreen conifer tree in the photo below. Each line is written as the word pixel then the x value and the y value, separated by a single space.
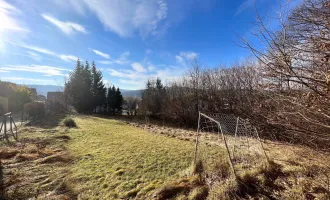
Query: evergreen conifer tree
pixel 98 88
pixel 118 101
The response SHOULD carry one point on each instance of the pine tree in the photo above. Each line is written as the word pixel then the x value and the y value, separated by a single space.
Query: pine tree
pixel 159 85
pixel 98 88
pixel 78 87
pixel 73 88
pixel 87 90
pixel 119 100
pixel 111 99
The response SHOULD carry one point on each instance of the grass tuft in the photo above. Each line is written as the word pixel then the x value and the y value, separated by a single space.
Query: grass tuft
pixel 69 122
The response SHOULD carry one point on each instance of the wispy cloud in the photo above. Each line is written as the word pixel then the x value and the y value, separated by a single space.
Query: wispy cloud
pixel 67 27
pixel 104 55
pixel 105 62
pixel 65 57
pixel 141 72
pixel 138 67
pixel 24 80
pixel 121 60
pixel 125 17
pixel 42 69
pixel 245 5
pixel 34 56
pixel 8 20
pixel 185 56
pixel 68 58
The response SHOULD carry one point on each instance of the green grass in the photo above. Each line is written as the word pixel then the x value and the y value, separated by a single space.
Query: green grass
pixel 115 160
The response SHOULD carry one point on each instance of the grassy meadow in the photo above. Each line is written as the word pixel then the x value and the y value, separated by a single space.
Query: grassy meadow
pixel 115 160
pixel 100 158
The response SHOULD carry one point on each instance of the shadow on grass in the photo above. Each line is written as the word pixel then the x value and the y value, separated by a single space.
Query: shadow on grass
pixel 48 122
pixel 141 120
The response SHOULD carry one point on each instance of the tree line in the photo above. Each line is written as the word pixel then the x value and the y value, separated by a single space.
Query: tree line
pixel 85 90
pixel 16 96
pixel 284 90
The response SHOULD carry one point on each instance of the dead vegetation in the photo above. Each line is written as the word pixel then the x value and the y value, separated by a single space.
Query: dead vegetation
pixel 36 166
pixel 294 172
pixel 40 166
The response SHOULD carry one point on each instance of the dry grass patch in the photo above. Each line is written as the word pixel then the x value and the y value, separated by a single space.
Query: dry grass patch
pixel 25 170
pixel 117 161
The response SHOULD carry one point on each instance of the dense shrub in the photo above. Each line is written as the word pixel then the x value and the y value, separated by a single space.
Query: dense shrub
pixel 69 122
pixel 35 109
pixel 17 95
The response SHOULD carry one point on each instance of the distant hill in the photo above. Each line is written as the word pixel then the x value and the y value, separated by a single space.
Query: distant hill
pixel 43 89
pixel 133 93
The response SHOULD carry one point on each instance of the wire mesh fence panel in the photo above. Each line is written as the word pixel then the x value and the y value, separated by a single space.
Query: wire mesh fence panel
pixel 237 137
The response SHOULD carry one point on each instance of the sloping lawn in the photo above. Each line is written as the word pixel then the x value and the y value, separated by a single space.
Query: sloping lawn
pixel 114 160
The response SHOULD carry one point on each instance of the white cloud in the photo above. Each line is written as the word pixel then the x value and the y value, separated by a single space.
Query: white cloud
pixel 43 69
pixel 151 67
pixel 104 55
pixel 138 67
pixel 179 59
pixel 138 78
pixel 105 62
pixel 34 56
pixel 8 21
pixel 245 5
pixel 23 80
pixel 67 27
pixel 121 60
pixel 186 56
pixel 125 17
pixel 67 58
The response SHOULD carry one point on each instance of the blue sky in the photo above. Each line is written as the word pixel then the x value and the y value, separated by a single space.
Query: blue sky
pixel 129 40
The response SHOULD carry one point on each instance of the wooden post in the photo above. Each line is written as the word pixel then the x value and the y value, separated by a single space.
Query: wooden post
pixel 14 134
pixel 197 134
pixel 1 130
pixel 5 129
pixel 10 122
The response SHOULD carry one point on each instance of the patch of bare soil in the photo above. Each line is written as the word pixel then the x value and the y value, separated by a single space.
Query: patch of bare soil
pixel 36 166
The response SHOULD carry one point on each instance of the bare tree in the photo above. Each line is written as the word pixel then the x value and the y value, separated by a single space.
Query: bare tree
pixel 132 104
pixel 296 68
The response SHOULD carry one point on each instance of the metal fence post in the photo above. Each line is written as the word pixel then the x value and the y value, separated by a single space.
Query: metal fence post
pixel 197 134
pixel 228 152
pixel 236 129
pixel 262 146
